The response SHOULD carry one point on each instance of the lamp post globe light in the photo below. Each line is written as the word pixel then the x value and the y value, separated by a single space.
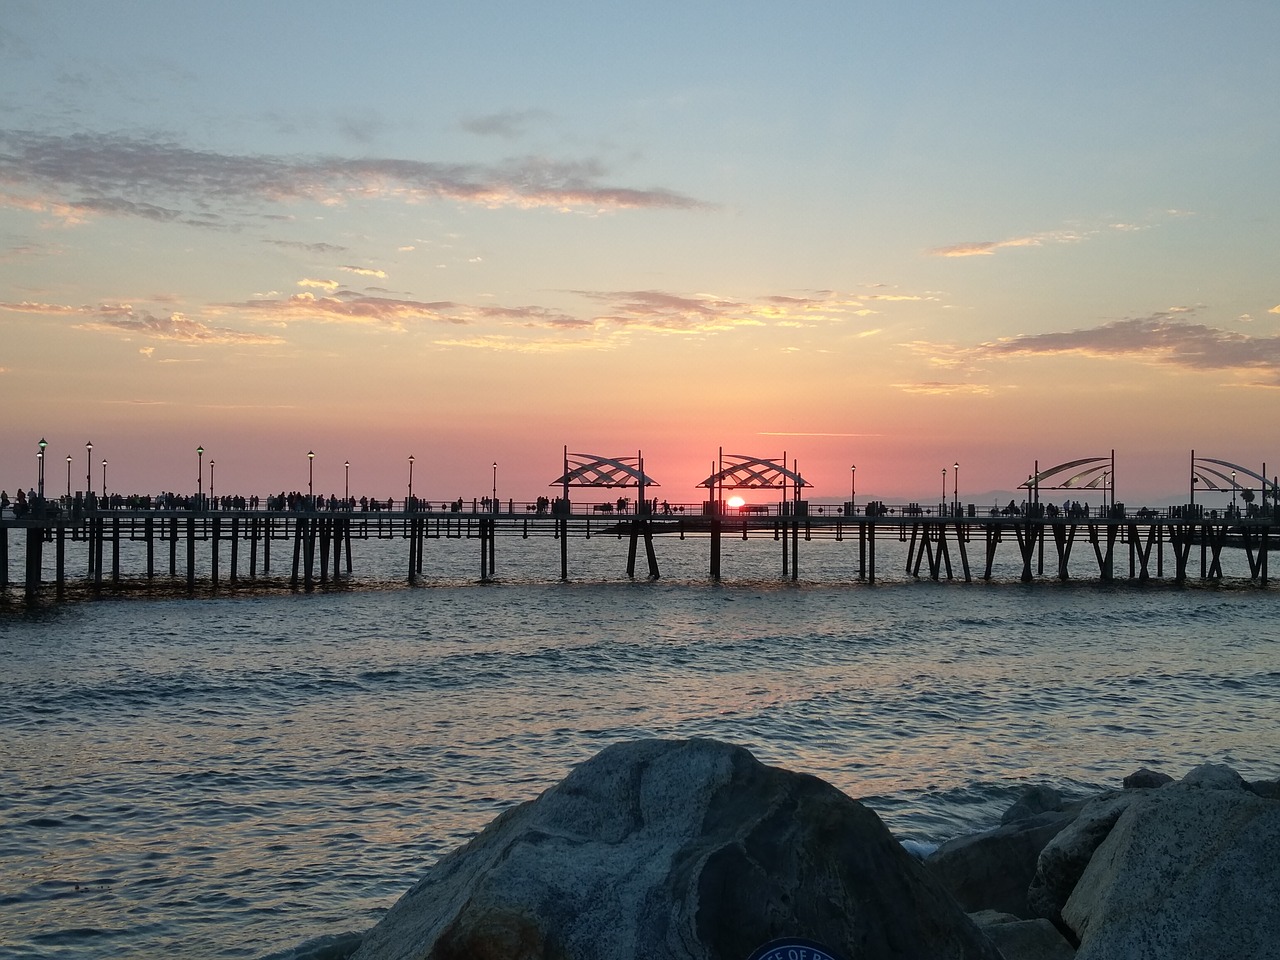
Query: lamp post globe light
pixel 88 468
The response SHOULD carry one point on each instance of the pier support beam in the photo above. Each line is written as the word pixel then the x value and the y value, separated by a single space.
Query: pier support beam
pixel 60 568
pixel 191 553
pixel 35 561
pixel 715 548
pixel 1064 536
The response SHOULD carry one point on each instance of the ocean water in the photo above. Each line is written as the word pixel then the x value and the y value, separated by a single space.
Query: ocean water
pixel 259 773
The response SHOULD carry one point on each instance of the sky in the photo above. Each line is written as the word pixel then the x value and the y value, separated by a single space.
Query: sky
pixel 896 236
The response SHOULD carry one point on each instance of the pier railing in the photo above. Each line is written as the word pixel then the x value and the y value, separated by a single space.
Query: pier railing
pixel 77 508
pixel 318 535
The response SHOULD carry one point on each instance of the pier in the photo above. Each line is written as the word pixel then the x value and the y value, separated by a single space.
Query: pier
pixel 302 549
pixel 301 542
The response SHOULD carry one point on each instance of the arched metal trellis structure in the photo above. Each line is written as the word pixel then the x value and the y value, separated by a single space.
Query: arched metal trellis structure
pixel 589 470
pixel 1210 473
pixel 1087 473
pixel 738 472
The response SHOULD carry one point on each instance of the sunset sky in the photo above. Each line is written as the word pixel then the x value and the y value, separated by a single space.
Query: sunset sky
pixel 896 235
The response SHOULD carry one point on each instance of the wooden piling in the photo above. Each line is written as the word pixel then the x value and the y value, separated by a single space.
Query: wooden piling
pixel 191 553
pixel 35 561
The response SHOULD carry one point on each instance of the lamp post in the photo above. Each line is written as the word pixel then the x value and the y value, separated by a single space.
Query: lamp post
pixel 955 487
pixel 88 468
pixel 495 486
pixel 1233 490
pixel 40 472
pixel 853 488
pixel 212 495
pixel 104 478
pixel 942 507
pixel 68 476
pixel 411 459
pixel 199 478
pixel 346 481
pixel 311 476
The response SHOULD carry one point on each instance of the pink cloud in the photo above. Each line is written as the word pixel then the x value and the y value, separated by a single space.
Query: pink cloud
pixel 1158 339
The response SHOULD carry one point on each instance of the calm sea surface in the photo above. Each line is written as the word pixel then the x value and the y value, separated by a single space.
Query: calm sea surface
pixel 242 775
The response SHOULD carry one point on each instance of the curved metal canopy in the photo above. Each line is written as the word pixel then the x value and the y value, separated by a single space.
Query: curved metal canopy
pixel 1214 474
pixel 1088 473
pixel 588 470
pixel 740 472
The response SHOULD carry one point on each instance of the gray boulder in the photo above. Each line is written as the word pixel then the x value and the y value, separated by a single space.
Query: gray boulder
pixel 1189 871
pixel 686 849
pixel 1064 858
pixel 1145 779
pixel 1266 788
pixel 1214 776
pixel 993 870
pixel 1023 939
pixel 1032 802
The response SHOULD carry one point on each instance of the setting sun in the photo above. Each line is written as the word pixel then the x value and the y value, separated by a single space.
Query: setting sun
pixel 735 502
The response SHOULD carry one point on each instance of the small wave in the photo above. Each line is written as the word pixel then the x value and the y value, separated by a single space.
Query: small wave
pixel 919 849
pixel 336 947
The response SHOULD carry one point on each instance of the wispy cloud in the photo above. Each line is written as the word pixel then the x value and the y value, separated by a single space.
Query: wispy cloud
pixel 508 125
pixel 365 272
pixel 798 433
pixel 1160 339
pixel 308 247
pixel 944 388
pixel 348 307
pixel 680 313
pixel 130 321
pixel 985 248
pixel 534 327
pixel 106 174
pixel 328 285
pixel 508 344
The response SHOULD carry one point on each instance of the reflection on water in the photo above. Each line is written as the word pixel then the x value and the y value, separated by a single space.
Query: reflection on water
pixel 229 777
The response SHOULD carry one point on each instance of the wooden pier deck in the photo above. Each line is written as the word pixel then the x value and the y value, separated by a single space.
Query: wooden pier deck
pixel 300 549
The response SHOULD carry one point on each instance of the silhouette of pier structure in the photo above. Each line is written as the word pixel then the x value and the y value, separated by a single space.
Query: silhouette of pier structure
pixel 203 546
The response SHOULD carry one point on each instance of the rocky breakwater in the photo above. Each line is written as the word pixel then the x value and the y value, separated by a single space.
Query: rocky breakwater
pixel 678 849
pixel 1160 869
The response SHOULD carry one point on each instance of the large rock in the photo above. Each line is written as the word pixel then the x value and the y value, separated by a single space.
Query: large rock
pixel 689 849
pixel 1146 779
pixel 1188 871
pixel 1023 939
pixel 1064 858
pixel 993 870
pixel 1034 800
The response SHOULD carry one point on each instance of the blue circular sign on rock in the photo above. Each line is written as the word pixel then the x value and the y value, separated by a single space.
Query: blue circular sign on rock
pixel 793 948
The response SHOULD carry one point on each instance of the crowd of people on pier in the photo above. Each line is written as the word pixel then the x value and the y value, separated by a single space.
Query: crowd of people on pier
pixel 29 503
